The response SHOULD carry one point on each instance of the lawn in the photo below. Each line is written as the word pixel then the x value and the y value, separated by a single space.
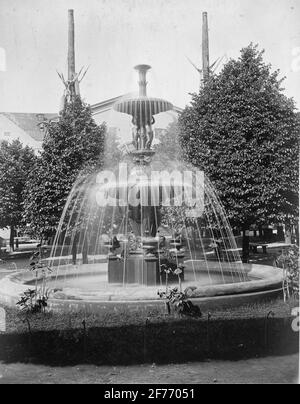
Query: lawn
pixel 146 337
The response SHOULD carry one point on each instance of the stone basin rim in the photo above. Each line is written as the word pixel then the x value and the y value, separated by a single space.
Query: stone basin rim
pixel 266 278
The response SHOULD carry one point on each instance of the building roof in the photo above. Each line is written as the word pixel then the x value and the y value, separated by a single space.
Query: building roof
pixel 31 123
pixel 105 105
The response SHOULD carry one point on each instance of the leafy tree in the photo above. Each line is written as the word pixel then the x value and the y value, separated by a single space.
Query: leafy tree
pixel 243 132
pixel 113 153
pixel 168 145
pixel 16 162
pixel 73 145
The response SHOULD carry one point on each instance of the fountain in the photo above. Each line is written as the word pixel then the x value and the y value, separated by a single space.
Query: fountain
pixel 142 109
pixel 127 232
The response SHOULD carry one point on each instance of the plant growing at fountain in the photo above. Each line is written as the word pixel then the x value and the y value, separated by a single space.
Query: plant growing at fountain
pixel 174 296
pixel 243 132
pixel 35 300
pixel 289 262
pixel 180 301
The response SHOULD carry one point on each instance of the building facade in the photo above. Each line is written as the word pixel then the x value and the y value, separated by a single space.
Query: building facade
pixel 29 128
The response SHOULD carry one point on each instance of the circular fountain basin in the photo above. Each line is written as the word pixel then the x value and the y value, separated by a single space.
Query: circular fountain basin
pixel 88 289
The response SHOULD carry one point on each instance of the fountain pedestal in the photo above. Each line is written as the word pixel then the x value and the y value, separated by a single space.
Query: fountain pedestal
pixel 136 268
pixel 150 272
pixel 115 269
pixel 143 269
pixel 133 265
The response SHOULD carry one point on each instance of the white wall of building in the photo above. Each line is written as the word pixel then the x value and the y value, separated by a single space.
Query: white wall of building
pixel 5 233
pixel 10 131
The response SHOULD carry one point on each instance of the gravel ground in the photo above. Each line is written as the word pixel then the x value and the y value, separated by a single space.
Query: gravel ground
pixel 261 371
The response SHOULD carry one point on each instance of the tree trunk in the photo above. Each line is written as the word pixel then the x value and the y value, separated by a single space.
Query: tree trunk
pixel 12 238
pixel 280 233
pixel 246 246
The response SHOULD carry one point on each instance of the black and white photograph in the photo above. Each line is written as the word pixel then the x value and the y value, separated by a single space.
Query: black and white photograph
pixel 149 194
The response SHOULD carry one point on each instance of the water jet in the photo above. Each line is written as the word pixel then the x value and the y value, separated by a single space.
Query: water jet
pixel 126 230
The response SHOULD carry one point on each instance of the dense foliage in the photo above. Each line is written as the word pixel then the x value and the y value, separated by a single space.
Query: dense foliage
pixel 243 132
pixel 16 163
pixel 168 145
pixel 113 153
pixel 73 145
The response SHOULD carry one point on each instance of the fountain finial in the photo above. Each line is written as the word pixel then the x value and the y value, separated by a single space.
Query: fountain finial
pixel 142 69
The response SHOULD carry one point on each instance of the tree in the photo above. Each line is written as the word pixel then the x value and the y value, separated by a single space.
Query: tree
pixel 168 145
pixel 16 162
pixel 113 153
pixel 73 145
pixel 243 132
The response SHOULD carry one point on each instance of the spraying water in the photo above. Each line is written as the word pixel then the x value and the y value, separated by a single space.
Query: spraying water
pixel 150 222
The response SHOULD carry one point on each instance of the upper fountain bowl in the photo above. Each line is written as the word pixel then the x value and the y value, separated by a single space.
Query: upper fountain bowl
pixel 142 108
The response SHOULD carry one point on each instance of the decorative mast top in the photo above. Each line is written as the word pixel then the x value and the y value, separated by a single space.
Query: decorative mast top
pixel 71 84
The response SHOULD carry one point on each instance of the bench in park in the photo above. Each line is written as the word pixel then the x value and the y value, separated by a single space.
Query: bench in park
pixel 253 247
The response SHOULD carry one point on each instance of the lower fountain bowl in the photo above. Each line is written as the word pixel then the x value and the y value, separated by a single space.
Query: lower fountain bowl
pixel 87 289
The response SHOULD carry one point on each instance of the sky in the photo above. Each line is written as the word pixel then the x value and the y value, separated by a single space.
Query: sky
pixel 112 36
